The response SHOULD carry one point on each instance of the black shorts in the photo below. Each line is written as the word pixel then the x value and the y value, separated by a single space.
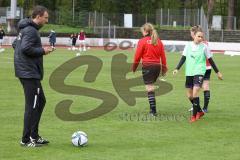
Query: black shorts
pixel 150 73
pixel 74 42
pixel 207 74
pixel 196 80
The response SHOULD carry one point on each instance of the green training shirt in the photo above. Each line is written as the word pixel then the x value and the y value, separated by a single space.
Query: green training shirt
pixel 196 55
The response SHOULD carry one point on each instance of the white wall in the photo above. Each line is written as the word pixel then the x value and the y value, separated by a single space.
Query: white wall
pixel 63 41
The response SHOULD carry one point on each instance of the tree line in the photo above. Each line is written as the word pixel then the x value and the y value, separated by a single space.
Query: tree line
pixel 228 8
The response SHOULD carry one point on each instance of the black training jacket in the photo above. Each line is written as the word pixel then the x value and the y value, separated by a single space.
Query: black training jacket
pixel 28 54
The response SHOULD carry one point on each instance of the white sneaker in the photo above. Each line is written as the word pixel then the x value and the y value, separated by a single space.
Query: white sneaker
pixel 30 144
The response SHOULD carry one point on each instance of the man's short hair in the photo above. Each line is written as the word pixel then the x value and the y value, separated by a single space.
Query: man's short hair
pixel 38 10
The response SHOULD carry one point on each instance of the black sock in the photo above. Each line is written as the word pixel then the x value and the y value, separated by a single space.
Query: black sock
pixel 206 99
pixel 196 106
pixel 152 101
pixel 191 99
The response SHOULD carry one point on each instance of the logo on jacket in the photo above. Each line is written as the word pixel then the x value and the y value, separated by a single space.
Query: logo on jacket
pixel 149 42
pixel 19 37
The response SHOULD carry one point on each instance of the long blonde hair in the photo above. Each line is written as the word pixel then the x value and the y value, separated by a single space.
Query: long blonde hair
pixel 148 27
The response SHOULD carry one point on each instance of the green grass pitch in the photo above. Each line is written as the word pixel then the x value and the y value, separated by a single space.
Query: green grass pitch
pixel 121 134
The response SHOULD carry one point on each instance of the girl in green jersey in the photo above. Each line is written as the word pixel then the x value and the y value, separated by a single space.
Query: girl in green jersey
pixel 195 54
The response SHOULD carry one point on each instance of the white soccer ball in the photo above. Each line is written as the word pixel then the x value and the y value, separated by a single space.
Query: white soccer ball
pixel 78 54
pixel 79 138
pixel 2 49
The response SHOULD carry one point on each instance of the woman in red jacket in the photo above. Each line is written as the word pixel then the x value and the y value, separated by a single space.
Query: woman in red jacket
pixel 150 51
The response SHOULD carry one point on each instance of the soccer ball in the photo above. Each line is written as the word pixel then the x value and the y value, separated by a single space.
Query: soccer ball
pixel 78 54
pixel 79 138
pixel 2 49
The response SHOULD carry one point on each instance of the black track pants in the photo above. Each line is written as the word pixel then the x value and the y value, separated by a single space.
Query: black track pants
pixel 34 104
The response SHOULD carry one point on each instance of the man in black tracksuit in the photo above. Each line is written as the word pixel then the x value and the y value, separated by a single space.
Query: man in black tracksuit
pixel 28 63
